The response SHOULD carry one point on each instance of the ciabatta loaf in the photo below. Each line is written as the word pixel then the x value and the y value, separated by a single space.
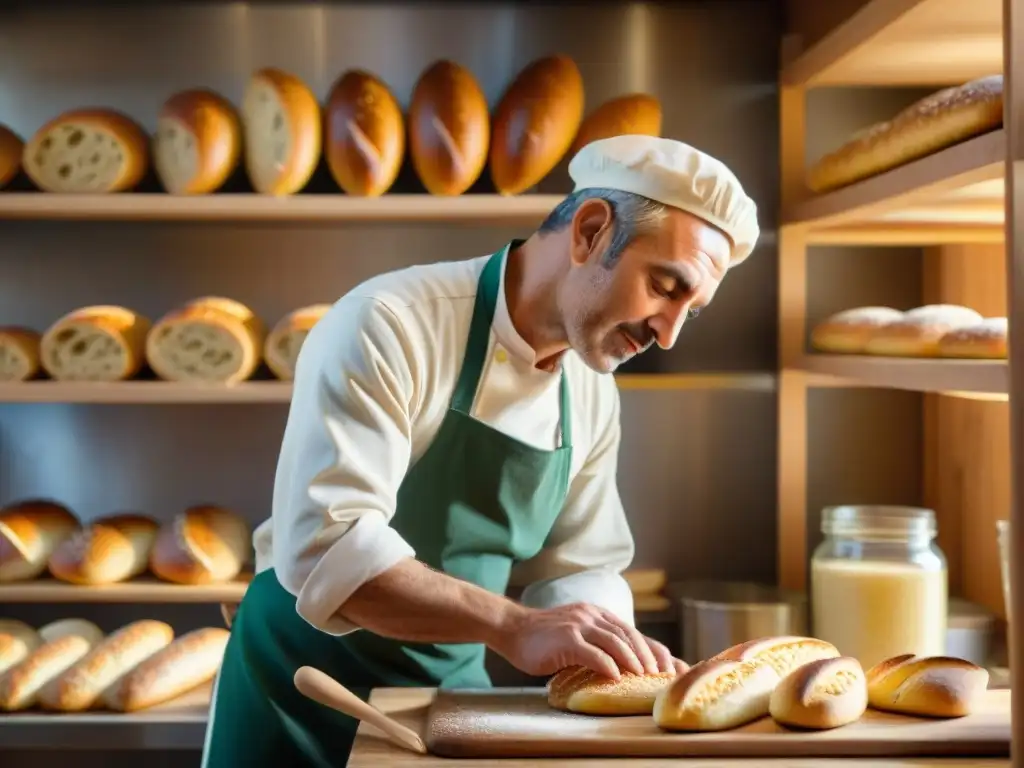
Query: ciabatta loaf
pixel 986 339
pixel 198 142
pixel 716 695
pixel 210 339
pixel 29 532
pixel 188 662
pixel 105 551
pixel 202 545
pixel 783 653
pixel 66 643
pixel 919 331
pixel 827 693
pixel 930 686
pixel 81 686
pixel 17 641
pixel 848 332
pixel 282 132
pixel 11 149
pixel 87 150
pixel 97 343
pixel 281 350
pixel 635 114
pixel 19 354
pixel 578 689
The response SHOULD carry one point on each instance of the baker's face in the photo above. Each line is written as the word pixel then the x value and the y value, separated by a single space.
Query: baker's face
pixel 613 312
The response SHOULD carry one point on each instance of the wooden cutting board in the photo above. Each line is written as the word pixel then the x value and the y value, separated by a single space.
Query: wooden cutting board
pixel 517 722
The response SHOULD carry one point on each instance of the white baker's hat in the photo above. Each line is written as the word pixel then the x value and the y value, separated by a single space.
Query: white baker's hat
pixel 675 174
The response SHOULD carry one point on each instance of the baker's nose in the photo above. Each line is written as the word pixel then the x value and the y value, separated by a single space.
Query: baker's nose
pixel 668 324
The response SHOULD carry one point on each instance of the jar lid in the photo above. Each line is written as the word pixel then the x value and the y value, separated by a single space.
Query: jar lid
pixel 879 520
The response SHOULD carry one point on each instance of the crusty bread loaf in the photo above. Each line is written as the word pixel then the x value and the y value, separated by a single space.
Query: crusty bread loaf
pixel 105 551
pixel 449 128
pixel 581 690
pixel 715 695
pixel 281 350
pixel 87 150
pixel 29 532
pixel 81 686
pixel 783 653
pixel 198 142
pixel 62 628
pixel 210 339
pixel 986 339
pixel 930 686
pixel 11 149
pixel 188 662
pixel 827 693
pixel 202 545
pixel 645 581
pixel 635 114
pixel 535 123
pixel 938 121
pixel 64 646
pixel 283 132
pixel 848 332
pixel 17 641
pixel 19 353
pixel 918 332
pixel 365 134
pixel 97 343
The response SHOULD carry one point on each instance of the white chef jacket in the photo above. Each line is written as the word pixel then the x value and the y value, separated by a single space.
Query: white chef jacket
pixel 373 382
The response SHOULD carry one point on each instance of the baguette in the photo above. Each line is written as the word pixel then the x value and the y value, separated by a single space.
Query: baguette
pixel 96 343
pixel 928 686
pixel 198 142
pixel 11 149
pixel 783 654
pixel 81 686
pixel 17 641
pixel 203 545
pixel 919 331
pixel 107 550
pixel 281 349
pixel 715 695
pixel 822 694
pixel 19 354
pixel 65 643
pixel 29 532
pixel 635 114
pixel 848 332
pixel 62 628
pixel 987 339
pixel 581 690
pixel 188 662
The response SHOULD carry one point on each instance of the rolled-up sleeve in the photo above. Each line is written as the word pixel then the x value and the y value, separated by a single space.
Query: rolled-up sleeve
pixel 345 451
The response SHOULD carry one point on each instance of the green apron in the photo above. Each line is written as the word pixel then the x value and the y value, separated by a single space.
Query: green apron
pixel 476 502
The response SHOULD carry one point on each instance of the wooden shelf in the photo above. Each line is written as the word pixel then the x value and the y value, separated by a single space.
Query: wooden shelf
pixel 917 374
pixel 143 590
pixel 953 196
pixel 906 43
pixel 253 207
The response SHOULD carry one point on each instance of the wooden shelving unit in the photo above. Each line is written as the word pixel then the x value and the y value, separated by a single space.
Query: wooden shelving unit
pixel 143 590
pixel 971 193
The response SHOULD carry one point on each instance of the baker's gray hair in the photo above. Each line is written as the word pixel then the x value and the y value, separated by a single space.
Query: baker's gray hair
pixel 634 215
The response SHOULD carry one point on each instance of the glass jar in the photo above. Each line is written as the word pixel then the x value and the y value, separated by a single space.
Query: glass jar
pixel 879 583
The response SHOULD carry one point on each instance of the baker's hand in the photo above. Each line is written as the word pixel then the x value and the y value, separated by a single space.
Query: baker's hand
pixel 541 642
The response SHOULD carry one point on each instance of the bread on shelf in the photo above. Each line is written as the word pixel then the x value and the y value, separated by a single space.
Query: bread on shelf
pixel 11 149
pixel 632 114
pixel 95 343
pixel 918 332
pixel 17 641
pixel 987 339
pixel 716 695
pixel 210 339
pixel 281 349
pixel 66 642
pixel 535 123
pixel 19 353
pixel 282 132
pixel 30 530
pixel 90 150
pixel 105 551
pixel 198 142
pixel 581 690
pixel 822 694
pixel 929 686
pixel 848 332
pixel 202 545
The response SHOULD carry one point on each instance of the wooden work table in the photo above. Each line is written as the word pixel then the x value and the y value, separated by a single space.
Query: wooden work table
pixel 409 706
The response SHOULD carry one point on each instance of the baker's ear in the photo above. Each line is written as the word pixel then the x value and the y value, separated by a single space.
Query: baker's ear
pixel 591 222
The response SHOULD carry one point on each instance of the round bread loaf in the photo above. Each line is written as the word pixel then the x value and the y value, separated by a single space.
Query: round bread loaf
pixel 535 123
pixel 29 532
pixel 97 343
pixel 198 142
pixel 211 339
pixel 581 690
pixel 449 129
pixel 715 695
pixel 105 551
pixel 11 150
pixel 281 350
pixel 365 134
pixel 635 114
pixel 919 331
pixel 783 653
pixel 987 339
pixel 17 641
pixel 87 150
pixel 929 686
pixel 827 693
pixel 19 354
pixel 282 130
pixel 202 545
pixel 65 642
pixel 848 332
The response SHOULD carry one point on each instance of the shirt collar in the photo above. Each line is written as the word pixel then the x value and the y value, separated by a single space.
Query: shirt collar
pixel 504 330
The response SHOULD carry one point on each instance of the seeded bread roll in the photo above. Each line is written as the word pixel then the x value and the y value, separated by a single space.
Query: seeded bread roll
pixel 65 643
pixel 938 121
pixel 97 343
pixel 987 339
pixel 283 132
pixel 929 686
pixel 920 330
pixel 29 532
pixel 716 695
pixel 578 689
pixel 91 150
pixel 198 142
pixel 848 332
pixel 630 115
pixel 11 149
pixel 107 550
pixel 210 339
pixel 281 350
pixel 822 694
pixel 783 653
pixel 17 641
pixel 19 353
pixel 202 545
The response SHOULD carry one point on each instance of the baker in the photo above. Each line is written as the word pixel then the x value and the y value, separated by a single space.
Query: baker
pixel 454 425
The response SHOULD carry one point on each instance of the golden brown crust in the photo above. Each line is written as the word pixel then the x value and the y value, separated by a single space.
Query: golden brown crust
pixel 783 653
pixel 919 331
pixel 107 550
pixel 847 332
pixel 826 693
pixel 985 340
pixel 203 126
pixel 95 343
pixel 19 689
pixel 19 353
pixel 716 694
pixel 202 545
pixel 581 690
pixel 535 123
pixel 449 128
pixel 285 340
pixel 929 686
pixel 29 532
pixel 17 641
pixel 636 114
pixel 11 150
